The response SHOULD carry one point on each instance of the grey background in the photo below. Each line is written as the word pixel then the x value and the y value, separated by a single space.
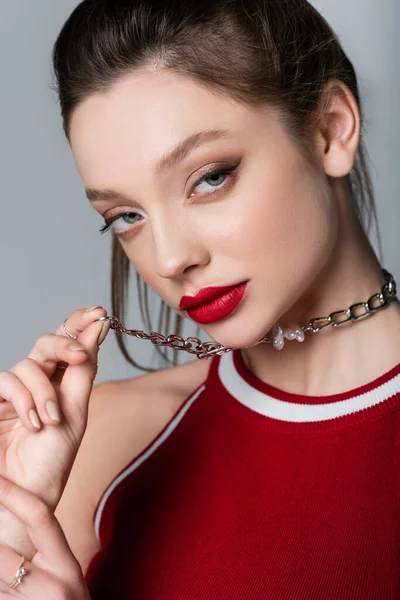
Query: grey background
pixel 52 259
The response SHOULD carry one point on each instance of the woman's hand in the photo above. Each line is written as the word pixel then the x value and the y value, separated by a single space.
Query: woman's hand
pixel 40 460
pixel 54 573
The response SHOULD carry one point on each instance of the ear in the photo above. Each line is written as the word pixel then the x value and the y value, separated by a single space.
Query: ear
pixel 338 134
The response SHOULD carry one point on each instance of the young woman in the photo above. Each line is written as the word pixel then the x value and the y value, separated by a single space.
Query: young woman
pixel 221 141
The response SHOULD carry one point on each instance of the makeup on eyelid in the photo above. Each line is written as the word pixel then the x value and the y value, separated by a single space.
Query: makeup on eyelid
pixel 230 171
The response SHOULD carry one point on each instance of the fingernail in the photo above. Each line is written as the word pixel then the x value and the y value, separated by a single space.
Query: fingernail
pixel 34 417
pixel 92 308
pixel 53 410
pixel 75 347
pixel 104 331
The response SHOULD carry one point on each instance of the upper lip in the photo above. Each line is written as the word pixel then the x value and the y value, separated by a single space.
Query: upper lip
pixel 205 295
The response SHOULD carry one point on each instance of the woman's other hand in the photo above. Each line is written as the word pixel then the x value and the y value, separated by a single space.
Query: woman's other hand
pixel 54 573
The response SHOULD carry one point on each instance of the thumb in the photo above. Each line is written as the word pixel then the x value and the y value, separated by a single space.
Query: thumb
pixel 77 381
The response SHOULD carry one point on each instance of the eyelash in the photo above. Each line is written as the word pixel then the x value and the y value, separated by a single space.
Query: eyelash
pixel 229 171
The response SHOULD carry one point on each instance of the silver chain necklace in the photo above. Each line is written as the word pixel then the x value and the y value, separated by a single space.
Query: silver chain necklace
pixel 208 349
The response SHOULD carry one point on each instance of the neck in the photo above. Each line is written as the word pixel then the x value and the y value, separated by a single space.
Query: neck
pixel 335 360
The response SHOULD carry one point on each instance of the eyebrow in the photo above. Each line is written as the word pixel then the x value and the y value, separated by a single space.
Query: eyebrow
pixel 167 162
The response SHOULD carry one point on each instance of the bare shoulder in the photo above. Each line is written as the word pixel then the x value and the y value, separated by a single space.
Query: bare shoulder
pixel 124 417
pixel 170 385
pixel 133 412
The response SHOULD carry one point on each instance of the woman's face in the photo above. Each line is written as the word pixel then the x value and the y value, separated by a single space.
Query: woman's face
pixel 262 218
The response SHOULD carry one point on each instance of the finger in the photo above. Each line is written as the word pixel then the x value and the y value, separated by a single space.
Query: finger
pixel 40 395
pixel 83 325
pixel 34 374
pixel 75 384
pixel 49 349
pixel 80 320
pixel 16 400
pixel 10 563
pixel 74 321
pixel 35 583
pixel 53 552
pixel 77 381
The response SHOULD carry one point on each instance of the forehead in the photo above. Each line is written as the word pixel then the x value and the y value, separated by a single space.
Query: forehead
pixel 147 112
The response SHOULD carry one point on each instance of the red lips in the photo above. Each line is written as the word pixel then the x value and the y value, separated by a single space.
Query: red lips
pixel 205 295
pixel 219 307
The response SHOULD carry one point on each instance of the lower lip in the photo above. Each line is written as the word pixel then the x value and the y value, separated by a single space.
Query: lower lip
pixel 219 308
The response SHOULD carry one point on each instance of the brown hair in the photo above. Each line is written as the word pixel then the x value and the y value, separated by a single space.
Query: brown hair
pixel 259 52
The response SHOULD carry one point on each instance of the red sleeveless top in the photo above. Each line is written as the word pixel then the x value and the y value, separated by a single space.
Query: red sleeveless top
pixel 253 493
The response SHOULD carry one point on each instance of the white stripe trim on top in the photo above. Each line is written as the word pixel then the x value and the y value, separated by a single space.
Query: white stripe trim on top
pixel 156 444
pixel 266 405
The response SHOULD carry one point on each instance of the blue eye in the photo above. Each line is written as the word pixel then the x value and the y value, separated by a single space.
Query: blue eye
pixel 214 176
pixel 214 179
pixel 107 226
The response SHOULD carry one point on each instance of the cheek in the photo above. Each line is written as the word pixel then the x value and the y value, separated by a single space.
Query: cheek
pixel 261 226
pixel 139 255
pixel 284 230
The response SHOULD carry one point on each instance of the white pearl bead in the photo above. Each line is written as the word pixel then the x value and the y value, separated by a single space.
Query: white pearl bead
pixel 278 343
pixel 294 332
pixel 277 331
pixel 289 334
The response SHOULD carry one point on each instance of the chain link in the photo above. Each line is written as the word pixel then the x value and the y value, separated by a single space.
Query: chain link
pixel 209 349
pixel 201 349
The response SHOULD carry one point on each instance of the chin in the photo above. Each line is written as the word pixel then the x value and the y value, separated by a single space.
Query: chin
pixel 243 337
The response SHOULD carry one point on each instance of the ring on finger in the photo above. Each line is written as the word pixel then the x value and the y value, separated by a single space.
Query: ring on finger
pixel 64 366
pixel 20 574
pixel 67 332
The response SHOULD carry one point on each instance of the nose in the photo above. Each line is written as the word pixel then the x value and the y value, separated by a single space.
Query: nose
pixel 176 249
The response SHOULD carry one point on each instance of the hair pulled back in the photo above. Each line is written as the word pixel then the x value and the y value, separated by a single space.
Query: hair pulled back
pixel 280 53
